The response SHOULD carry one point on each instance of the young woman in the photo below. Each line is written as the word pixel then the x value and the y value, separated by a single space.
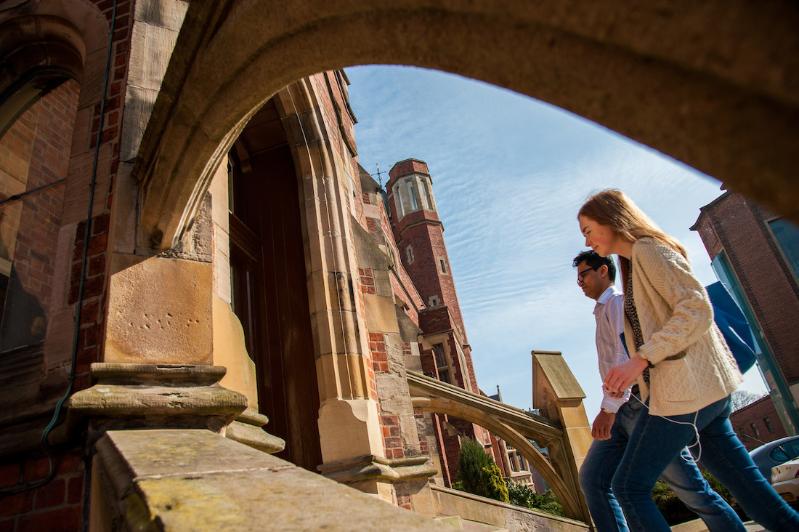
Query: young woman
pixel 683 368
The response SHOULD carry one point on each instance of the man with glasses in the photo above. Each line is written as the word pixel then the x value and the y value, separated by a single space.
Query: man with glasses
pixel 618 415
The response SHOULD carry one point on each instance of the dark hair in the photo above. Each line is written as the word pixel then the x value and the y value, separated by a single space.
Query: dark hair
pixel 593 259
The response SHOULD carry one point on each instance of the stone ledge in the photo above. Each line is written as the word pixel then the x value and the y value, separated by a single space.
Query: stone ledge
pixel 371 467
pixel 155 396
pixel 157 374
pixel 176 480
pixel 247 429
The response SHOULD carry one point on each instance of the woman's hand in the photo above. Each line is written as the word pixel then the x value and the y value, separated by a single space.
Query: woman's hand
pixel 621 377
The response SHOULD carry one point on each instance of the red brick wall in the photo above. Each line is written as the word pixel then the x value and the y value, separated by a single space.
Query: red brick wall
pixel 54 507
pixel 756 414
pixel 740 227
pixel 45 132
pixel 92 317
pixel 57 505
pixel 389 423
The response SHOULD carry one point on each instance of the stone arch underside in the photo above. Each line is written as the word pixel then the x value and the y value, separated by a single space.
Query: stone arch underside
pixel 43 46
pixel 508 423
pixel 725 102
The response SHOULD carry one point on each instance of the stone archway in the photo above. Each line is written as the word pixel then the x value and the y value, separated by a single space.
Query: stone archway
pixel 724 102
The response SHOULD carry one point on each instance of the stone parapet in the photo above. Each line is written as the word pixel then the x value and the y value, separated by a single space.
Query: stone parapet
pixel 174 480
pixel 474 509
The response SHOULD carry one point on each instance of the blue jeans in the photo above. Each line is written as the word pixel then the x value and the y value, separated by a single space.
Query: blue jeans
pixel 656 440
pixel 681 474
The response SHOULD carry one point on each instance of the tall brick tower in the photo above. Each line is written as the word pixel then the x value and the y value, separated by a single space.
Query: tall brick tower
pixel 419 234
pixel 445 351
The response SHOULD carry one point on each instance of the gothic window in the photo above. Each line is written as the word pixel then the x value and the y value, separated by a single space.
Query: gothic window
pixel 755 430
pixel 443 265
pixel 767 423
pixel 409 255
pixel 429 194
pixel 433 301
pixel 441 363
pixel 413 195
pixel 398 201
pixel 405 198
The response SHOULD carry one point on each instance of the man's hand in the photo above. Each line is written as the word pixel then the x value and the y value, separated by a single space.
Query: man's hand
pixel 600 430
pixel 621 377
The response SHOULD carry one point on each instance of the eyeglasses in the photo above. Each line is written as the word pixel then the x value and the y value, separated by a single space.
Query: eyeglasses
pixel 581 274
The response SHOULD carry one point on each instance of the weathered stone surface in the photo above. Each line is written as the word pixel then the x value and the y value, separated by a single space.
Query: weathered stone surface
pixel 159 312
pixel 380 314
pixel 115 400
pixel 378 468
pixel 255 437
pixel 134 395
pixel 490 512
pixel 162 13
pixel 156 375
pixel 349 428
pixel 195 480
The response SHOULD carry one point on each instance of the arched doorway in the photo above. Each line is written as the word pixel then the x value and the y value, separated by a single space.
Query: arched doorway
pixel 268 282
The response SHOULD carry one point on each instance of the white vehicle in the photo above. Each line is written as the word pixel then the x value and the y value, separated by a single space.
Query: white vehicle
pixel 785 479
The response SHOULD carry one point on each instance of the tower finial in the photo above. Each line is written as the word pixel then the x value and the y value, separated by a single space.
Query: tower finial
pixel 379 175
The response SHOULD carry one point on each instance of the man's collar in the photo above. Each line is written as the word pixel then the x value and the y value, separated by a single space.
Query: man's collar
pixel 607 294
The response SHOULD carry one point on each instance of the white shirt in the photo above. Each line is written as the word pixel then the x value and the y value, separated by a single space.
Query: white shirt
pixel 609 315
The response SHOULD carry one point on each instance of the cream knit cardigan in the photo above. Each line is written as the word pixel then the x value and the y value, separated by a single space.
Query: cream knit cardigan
pixel 676 317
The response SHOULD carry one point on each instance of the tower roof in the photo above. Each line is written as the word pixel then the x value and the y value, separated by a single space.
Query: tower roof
pixel 407 167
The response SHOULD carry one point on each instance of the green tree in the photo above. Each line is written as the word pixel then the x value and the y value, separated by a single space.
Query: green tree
pixel 478 473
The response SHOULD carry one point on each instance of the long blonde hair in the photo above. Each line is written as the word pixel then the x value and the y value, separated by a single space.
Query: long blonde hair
pixel 612 208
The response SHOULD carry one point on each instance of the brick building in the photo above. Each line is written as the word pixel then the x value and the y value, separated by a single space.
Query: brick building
pixel 758 423
pixel 755 255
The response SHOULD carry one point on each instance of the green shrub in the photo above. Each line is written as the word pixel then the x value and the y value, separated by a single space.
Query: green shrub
pixel 495 487
pixel 478 473
pixel 524 496
pixel 521 495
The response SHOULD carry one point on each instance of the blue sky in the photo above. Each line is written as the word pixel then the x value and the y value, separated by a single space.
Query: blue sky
pixel 509 174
